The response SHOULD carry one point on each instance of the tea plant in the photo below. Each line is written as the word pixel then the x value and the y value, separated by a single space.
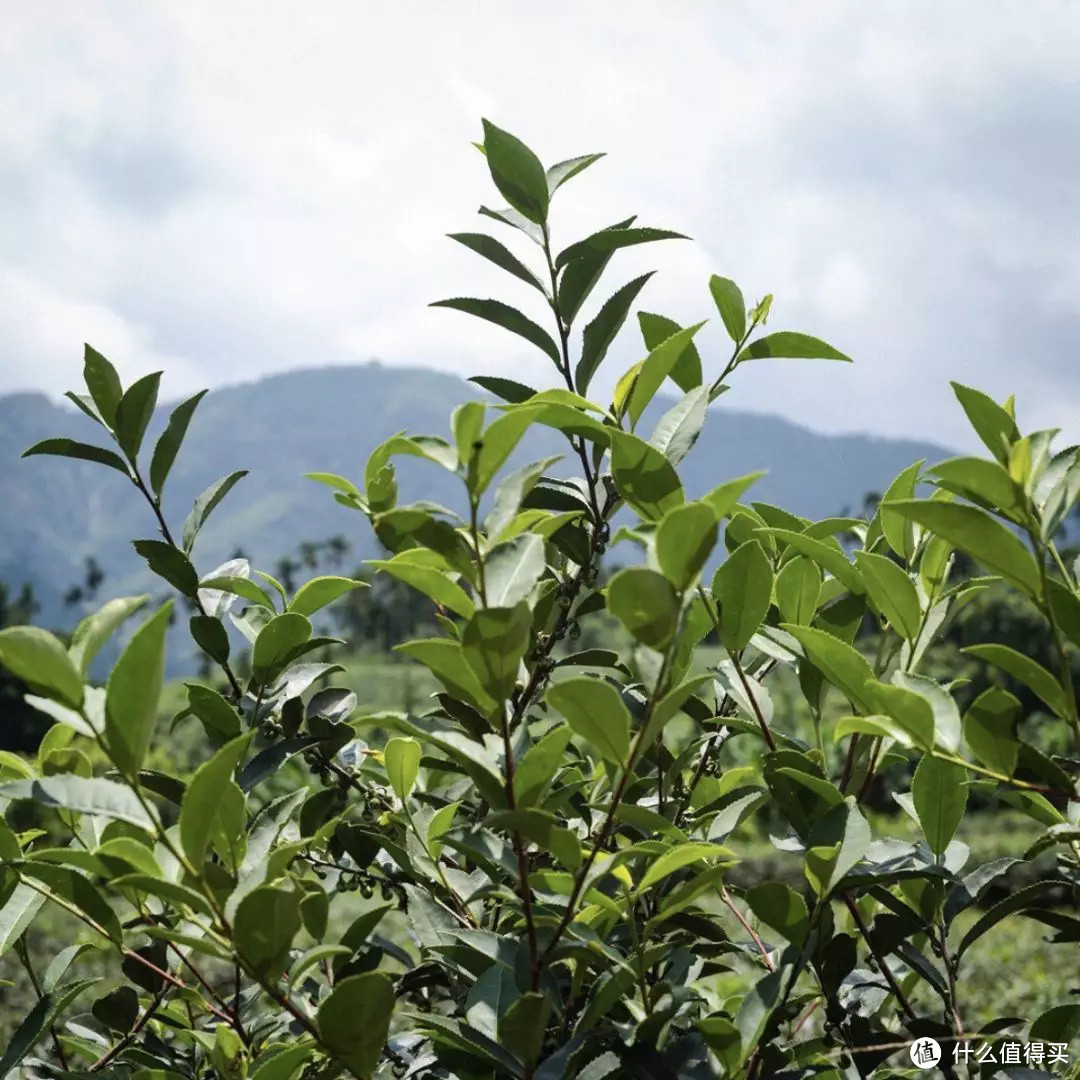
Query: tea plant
pixel 529 877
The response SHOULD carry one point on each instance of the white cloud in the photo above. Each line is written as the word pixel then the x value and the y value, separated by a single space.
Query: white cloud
pixel 242 190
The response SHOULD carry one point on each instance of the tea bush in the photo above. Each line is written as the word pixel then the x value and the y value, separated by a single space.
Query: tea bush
pixel 532 876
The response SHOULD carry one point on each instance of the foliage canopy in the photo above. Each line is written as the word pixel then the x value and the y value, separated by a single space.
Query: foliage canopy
pixel 529 877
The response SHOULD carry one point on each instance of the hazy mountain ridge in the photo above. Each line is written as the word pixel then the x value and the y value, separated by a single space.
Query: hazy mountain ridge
pixel 57 512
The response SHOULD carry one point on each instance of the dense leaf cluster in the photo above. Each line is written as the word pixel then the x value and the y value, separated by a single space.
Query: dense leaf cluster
pixel 529 877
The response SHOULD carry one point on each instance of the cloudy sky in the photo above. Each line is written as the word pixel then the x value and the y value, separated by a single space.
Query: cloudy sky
pixel 225 191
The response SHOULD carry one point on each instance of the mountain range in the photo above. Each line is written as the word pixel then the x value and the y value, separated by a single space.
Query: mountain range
pixel 55 513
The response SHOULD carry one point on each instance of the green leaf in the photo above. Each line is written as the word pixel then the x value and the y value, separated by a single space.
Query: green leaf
pixel 837 843
pixel 939 792
pixel 981 481
pixel 779 906
pixel 742 587
pixel 685 538
pixel 317 593
pixel 602 331
pixel 71 448
pixel 655 368
pixel 558 174
pixel 723 1039
pixel 883 727
pixel 354 1021
pixel 507 389
pixel 523 1024
pixel 401 759
pixel 38 658
pixel 912 712
pixel 509 216
pixel 466 422
pixel 266 921
pixel 898 531
pixel 755 1011
pixel 17 913
pixel 644 477
pixel 213 710
pixel 975 532
pixel 85 404
pixel 276 643
pixel 645 602
pixel 678 429
pixel 446 661
pixel 133 691
pixel 540 763
pixel 168 444
pixel 1066 605
pixel 1022 668
pixel 724 497
pixel 170 564
pixel 37 1023
pixel 1029 896
pixel 846 668
pixel 82 795
pixel 991 422
pixel 170 891
pixel 655 330
pixel 730 303
pixel 498 442
pixel 203 799
pixel 679 857
pixel 798 588
pixel 134 412
pixel 283 1065
pixel 512 569
pixel 1061 1024
pixel 891 592
pixel 509 318
pixel 517 173
pixel 990 729
pixel 77 889
pixel 510 493
pixel 495 251
pixel 580 276
pixel 211 636
pixel 103 383
pixel 94 630
pixel 789 345
pixel 493 642
pixel 429 580
pixel 205 505
pixel 609 240
pixel 336 483
pixel 827 554
pixel 595 711
pixel 236 586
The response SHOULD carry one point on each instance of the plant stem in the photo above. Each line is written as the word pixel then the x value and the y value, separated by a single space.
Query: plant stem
pixel 760 716
pixel 474 529
pixel 110 1055
pixel 729 903
pixel 124 951
pixel 886 972
pixel 950 972
pixel 155 506
pixel 23 954
pixel 520 853
pixel 609 819
pixel 1064 665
